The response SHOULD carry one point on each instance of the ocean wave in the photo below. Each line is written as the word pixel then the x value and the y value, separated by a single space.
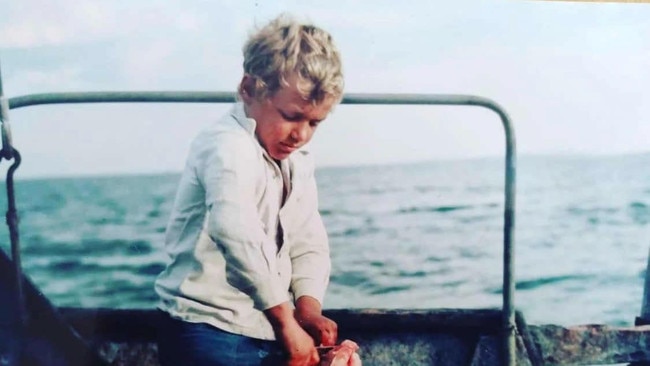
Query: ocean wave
pixel 532 284
pixel 442 209
pixel 38 246
pixel 389 289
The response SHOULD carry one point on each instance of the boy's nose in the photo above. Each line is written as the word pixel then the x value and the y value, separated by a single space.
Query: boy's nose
pixel 300 133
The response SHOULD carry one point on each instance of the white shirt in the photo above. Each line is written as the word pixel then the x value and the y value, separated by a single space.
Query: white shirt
pixel 226 265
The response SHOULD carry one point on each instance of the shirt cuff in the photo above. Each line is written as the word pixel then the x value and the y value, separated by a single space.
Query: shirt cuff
pixel 309 287
pixel 268 296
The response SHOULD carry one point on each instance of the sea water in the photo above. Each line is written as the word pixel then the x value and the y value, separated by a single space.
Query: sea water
pixel 419 235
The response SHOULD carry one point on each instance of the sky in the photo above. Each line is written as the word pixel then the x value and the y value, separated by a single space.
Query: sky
pixel 573 76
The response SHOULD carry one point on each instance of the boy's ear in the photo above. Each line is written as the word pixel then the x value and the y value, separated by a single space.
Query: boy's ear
pixel 247 88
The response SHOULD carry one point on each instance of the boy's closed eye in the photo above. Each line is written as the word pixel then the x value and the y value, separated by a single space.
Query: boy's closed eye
pixel 297 117
pixel 292 117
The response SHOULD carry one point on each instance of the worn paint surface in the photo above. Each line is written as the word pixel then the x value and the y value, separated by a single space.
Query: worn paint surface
pixel 400 337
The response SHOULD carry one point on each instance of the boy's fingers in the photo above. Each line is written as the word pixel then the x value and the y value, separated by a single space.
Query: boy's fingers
pixel 355 360
pixel 351 344
pixel 341 355
pixel 328 338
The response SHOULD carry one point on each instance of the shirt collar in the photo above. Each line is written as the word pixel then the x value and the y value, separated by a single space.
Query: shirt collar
pixel 239 114
pixel 249 124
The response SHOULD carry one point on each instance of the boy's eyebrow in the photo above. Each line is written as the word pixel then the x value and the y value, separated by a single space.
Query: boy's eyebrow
pixel 292 113
pixel 296 114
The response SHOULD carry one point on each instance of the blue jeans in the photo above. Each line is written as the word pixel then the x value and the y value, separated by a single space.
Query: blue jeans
pixel 198 344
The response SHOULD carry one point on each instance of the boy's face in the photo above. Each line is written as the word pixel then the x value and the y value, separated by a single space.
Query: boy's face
pixel 285 121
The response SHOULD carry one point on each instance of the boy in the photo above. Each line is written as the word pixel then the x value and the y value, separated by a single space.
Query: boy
pixel 249 252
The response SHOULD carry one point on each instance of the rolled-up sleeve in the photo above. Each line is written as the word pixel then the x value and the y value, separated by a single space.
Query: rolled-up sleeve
pixel 228 168
pixel 310 255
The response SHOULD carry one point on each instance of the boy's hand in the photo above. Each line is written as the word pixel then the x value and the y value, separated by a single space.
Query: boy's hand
pixel 298 344
pixel 323 330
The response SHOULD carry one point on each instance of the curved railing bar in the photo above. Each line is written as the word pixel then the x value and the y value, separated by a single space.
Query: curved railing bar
pixel 385 99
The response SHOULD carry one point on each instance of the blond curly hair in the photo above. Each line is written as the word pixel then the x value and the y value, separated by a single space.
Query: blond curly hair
pixel 283 47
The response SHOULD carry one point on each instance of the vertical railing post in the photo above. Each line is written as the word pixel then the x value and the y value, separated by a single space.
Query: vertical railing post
pixel 509 326
pixel 14 318
pixel 7 150
pixel 644 317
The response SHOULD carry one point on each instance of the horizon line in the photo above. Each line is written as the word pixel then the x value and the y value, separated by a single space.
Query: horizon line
pixel 566 155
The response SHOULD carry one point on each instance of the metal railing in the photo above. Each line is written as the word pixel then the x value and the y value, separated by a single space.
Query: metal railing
pixel 509 327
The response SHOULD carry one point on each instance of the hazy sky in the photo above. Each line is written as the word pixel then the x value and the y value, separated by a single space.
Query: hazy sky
pixel 574 77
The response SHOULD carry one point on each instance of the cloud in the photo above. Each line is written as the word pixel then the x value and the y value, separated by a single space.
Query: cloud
pixel 68 76
pixel 572 77
pixel 37 23
pixel 34 23
pixel 189 64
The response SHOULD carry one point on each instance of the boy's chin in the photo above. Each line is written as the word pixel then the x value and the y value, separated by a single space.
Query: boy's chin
pixel 279 156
